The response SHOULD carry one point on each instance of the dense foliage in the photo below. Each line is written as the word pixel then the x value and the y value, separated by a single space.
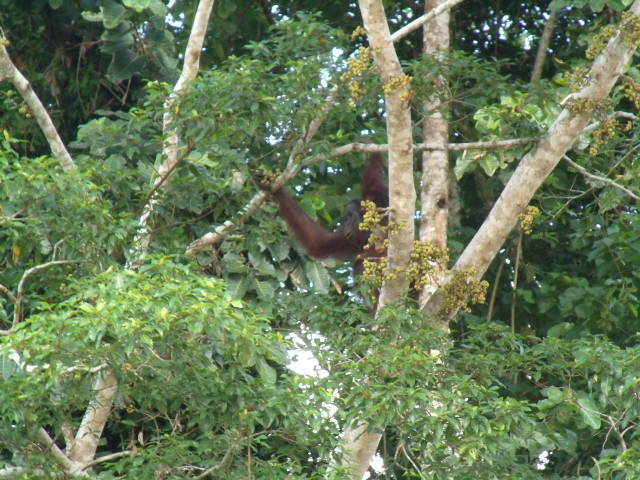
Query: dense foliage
pixel 542 382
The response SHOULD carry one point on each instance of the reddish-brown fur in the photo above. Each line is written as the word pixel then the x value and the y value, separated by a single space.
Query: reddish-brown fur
pixel 347 241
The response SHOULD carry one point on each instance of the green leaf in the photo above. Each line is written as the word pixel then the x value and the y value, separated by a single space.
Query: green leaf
pixel 158 8
pixel 560 330
pixel 465 163
pixel 234 263
pixel 137 5
pixel 317 275
pixel 589 411
pixel 489 163
pixel 554 394
pixel 7 366
pixel 238 286
pixel 113 14
pixel 261 264
pixel 266 372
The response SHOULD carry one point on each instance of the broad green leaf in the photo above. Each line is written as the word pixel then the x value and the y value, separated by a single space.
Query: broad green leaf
pixel 589 411
pixel 317 275
pixel 267 373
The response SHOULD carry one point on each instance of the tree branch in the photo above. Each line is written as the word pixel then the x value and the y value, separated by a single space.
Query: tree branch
pixel 584 172
pixel 88 436
pixel 7 292
pixel 190 70
pixel 434 198
pixel 290 171
pixel 108 458
pixel 8 71
pixel 49 445
pixel 545 40
pixel 19 298
pixel 540 162
pixel 420 21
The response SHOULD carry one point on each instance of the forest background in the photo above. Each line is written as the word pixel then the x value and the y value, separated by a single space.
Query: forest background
pixel 152 297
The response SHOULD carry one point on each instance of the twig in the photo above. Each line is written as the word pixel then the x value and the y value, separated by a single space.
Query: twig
pixel 55 248
pixel 413 463
pixel 605 180
pixel 17 313
pixel 161 181
pixel 4 220
pixel 107 458
pixel 625 115
pixel 488 145
pixel 516 270
pixel 494 291
pixel 220 465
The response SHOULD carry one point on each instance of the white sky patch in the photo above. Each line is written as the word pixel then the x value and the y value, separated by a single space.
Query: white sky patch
pixel 302 361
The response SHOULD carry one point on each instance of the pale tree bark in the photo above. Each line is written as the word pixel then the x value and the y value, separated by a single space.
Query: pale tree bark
pixel 545 41
pixel 402 194
pixel 434 199
pixel 170 152
pixel 444 7
pixel 536 166
pixel 360 439
pixel 9 72
pixel 88 436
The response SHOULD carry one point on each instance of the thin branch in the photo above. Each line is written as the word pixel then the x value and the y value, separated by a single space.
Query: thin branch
pixel 49 445
pixel 108 458
pixel 8 71
pixel 487 145
pixel 293 163
pixel 609 182
pixel 4 220
pixel 516 271
pixel 291 170
pixel 161 180
pixel 17 313
pixel 223 462
pixel 420 21
pixel 95 369
pixel 625 115
pixel 545 40
pixel 494 291
pixel 7 292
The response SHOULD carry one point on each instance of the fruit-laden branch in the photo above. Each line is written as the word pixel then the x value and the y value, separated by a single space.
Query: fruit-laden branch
pixel 536 165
